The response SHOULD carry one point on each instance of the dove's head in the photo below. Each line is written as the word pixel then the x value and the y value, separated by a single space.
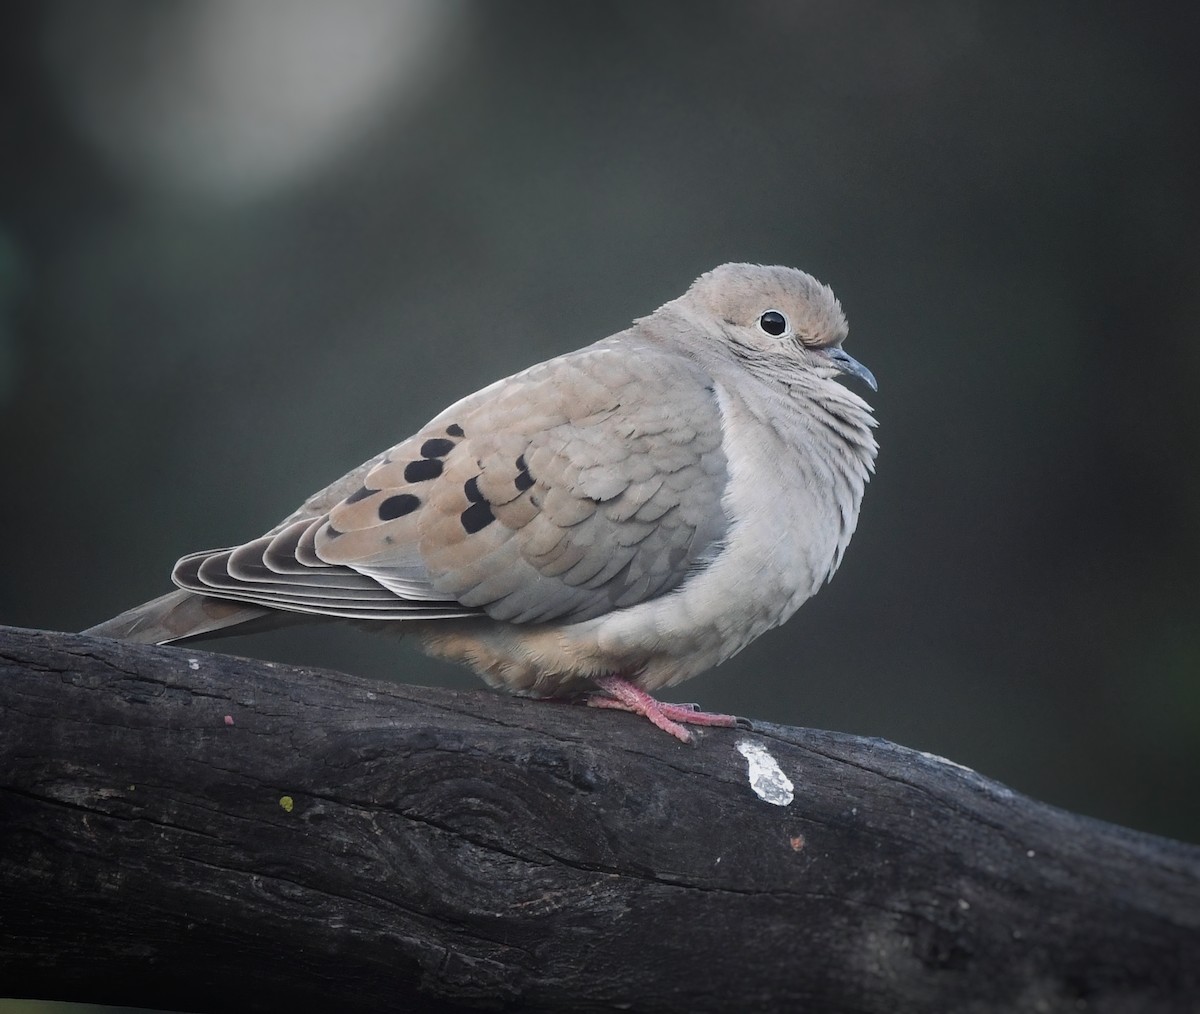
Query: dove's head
pixel 777 317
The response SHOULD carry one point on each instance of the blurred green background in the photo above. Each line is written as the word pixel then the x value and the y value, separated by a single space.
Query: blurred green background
pixel 243 246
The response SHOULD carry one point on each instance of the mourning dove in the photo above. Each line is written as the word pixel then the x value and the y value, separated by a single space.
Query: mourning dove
pixel 618 518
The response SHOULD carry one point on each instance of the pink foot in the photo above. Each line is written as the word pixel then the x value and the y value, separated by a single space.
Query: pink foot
pixel 624 696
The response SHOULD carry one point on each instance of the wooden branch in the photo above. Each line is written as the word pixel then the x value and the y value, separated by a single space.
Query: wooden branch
pixel 194 831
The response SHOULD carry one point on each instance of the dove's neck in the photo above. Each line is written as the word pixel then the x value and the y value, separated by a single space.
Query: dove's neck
pixel 822 429
pixel 816 436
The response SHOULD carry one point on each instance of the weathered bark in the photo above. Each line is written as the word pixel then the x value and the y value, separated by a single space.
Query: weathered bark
pixel 365 846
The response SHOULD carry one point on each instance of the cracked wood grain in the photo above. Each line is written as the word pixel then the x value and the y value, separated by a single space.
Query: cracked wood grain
pixel 461 851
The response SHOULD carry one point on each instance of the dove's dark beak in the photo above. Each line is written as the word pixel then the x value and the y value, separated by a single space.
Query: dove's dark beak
pixel 845 363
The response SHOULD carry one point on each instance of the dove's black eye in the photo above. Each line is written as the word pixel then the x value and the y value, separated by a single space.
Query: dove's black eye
pixel 773 323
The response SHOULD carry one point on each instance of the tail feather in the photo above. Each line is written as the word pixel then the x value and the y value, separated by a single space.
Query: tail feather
pixel 181 615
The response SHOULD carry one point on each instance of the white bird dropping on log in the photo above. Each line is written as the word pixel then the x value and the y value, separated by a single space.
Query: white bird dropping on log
pixel 767 779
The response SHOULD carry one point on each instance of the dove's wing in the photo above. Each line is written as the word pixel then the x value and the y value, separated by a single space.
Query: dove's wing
pixel 585 484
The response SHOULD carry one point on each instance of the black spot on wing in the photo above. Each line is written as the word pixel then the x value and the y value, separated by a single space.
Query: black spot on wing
pixel 422 470
pixel 524 479
pixel 398 506
pixel 438 447
pixel 479 515
pixel 454 430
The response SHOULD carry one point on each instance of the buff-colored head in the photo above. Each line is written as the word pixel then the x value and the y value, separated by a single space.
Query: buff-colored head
pixel 772 313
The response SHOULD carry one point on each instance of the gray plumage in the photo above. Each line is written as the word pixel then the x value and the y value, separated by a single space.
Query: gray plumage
pixel 644 507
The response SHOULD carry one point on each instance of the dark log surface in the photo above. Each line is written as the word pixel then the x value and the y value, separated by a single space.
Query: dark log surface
pixel 446 851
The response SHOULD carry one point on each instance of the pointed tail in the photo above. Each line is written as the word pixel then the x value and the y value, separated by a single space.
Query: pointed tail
pixel 181 615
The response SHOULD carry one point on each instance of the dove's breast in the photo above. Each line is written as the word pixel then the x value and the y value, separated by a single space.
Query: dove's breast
pixel 785 538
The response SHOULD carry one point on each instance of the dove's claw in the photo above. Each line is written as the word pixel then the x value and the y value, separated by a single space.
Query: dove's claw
pixel 623 695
